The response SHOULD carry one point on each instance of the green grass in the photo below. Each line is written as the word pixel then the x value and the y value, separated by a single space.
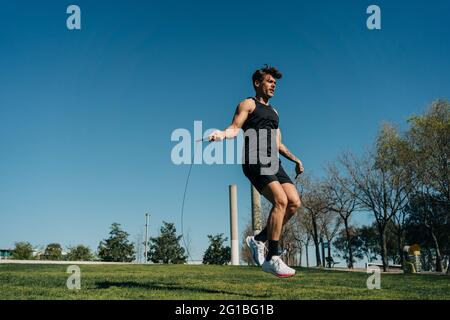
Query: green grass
pixel 191 282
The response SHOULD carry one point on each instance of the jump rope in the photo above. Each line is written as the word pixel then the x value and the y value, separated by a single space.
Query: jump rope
pixel 184 199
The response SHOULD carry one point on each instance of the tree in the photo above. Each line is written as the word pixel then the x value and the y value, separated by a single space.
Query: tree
pixel 315 203
pixel 367 238
pixel 22 251
pixel 166 246
pixel 342 242
pixel 394 156
pixel 79 253
pixel 53 252
pixel 393 243
pixel 365 243
pixel 381 181
pixel 117 247
pixel 342 200
pixel 217 253
pixel 290 243
pixel 428 138
pixel 432 213
pixel 330 222
pixel 302 234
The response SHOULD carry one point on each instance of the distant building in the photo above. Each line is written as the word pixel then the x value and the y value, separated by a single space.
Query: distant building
pixel 38 254
pixel 5 254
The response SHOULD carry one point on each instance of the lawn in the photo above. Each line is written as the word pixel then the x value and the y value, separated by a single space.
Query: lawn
pixel 191 282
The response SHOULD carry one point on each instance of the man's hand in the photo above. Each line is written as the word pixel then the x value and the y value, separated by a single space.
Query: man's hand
pixel 217 136
pixel 298 168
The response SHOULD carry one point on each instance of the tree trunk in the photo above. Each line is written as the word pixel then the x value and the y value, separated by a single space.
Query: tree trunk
pixel 300 257
pixel 448 266
pixel 316 243
pixel 323 252
pixel 307 255
pixel 349 244
pixel 383 245
pixel 318 260
pixel 329 254
pixel 400 248
pixel 439 266
pixel 428 261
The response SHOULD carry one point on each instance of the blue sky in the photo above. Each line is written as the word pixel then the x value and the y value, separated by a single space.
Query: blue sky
pixel 86 116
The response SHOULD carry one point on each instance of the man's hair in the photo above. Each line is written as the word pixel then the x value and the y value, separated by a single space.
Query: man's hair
pixel 261 73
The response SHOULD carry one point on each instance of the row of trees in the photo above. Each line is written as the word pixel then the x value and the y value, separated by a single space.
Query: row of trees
pixel 53 251
pixel 117 248
pixel 166 248
pixel 402 181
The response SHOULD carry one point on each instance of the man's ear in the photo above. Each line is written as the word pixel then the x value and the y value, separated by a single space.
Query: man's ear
pixel 257 83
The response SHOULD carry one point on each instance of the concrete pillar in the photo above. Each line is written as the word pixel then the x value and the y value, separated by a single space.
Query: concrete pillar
pixel 234 226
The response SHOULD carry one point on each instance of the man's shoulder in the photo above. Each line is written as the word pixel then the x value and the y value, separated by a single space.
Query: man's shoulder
pixel 247 104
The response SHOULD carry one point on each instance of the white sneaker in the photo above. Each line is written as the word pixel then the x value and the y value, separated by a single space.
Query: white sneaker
pixel 277 267
pixel 257 248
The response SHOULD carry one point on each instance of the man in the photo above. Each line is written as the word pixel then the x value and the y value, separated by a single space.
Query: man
pixel 257 115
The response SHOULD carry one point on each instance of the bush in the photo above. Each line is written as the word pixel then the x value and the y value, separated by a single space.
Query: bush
pixel 217 253
pixel 22 251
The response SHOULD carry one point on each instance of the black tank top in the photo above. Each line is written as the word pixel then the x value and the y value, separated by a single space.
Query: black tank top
pixel 263 120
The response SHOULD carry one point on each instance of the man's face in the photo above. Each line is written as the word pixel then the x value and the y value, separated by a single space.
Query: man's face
pixel 267 86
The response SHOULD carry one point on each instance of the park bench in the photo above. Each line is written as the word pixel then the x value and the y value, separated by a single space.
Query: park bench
pixel 330 262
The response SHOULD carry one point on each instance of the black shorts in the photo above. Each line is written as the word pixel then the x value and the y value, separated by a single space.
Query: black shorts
pixel 259 181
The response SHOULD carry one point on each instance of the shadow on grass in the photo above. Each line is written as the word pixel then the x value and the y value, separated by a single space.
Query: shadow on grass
pixel 170 287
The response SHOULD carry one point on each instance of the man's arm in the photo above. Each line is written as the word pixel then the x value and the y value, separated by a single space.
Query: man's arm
pixel 240 116
pixel 284 151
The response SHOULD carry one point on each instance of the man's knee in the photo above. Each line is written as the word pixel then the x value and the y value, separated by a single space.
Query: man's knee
pixel 294 205
pixel 281 202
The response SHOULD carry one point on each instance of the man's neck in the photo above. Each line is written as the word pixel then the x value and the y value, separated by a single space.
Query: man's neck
pixel 263 100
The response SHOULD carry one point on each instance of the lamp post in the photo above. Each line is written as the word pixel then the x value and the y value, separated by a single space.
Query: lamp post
pixel 146 237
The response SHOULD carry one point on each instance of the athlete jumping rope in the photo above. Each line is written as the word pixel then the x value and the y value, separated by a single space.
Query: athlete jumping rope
pixel 257 114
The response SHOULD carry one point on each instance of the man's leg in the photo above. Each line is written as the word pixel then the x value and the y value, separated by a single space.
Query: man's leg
pixel 293 205
pixel 275 193
pixel 273 263
pixel 294 202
